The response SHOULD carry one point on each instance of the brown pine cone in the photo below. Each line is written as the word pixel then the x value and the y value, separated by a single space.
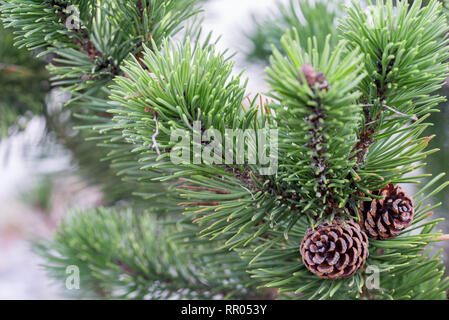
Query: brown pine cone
pixel 386 218
pixel 313 78
pixel 335 250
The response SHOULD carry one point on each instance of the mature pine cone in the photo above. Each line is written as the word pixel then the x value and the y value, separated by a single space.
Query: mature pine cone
pixel 335 250
pixel 387 217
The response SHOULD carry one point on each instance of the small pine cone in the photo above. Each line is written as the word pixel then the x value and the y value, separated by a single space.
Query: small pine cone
pixel 386 218
pixel 313 78
pixel 335 250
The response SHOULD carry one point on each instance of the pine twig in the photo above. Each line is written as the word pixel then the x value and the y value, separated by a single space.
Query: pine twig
pixel 153 137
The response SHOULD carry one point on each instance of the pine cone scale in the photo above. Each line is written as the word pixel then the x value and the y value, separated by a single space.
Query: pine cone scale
pixel 343 263
pixel 342 247
pixel 318 259
pixel 332 260
pixel 325 268
pixel 385 218
pixel 349 240
pixel 380 227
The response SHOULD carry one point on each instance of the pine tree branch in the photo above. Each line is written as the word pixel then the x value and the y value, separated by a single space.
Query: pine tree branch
pixel 83 41
pixel 133 256
pixel 261 222
pixel 371 123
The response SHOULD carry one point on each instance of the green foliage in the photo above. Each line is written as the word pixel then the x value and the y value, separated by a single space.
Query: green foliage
pixel 23 84
pixel 308 18
pixel 90 54
pixel 85 60
pixel 314 162
pixel 185 84
pixel 256 223
pixel 446 7
pixel 121 255
pixel 349 116
pixel 407 269
pixel 402 69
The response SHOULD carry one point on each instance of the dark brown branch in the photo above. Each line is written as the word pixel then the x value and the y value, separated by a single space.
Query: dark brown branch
pixel 317 80
pixel 365 137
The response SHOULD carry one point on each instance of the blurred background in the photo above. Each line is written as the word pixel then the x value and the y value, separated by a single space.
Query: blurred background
pixel 46 170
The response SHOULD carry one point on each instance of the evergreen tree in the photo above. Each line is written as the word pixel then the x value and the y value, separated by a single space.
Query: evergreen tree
pixel 349 117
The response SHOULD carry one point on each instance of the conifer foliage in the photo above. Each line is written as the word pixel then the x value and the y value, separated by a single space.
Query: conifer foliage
pixel 348 117
pixel 23 85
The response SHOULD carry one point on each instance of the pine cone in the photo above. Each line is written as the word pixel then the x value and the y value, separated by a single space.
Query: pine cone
pixel 386 218
pixel 313 78
pixel 335 250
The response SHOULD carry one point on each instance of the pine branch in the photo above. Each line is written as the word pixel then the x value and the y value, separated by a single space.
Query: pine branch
pixel 343 117
pixel 312 107
pixel 315 19
pixel 82 37
pixel 122 255
pixel 402 71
